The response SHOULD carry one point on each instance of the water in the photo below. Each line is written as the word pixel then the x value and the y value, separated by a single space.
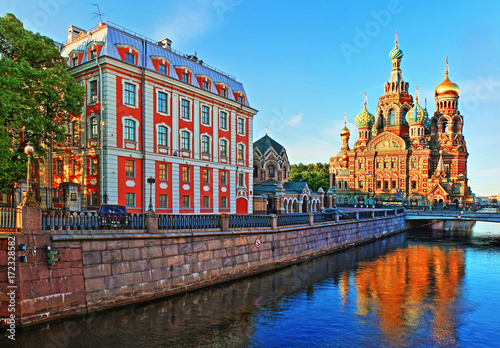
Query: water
pixel 422 289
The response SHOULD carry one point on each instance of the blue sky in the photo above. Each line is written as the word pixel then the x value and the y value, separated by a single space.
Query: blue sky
pixel 304 64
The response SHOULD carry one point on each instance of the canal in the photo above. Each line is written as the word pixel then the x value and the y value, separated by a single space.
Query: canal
pixel 416 289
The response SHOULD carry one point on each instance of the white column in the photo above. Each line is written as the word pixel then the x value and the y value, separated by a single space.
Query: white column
pixel 215 126
pixel 196 185
pixel 250 164
pixel 196 130
pixel 215 193
pixel 175 122
pixel 175 188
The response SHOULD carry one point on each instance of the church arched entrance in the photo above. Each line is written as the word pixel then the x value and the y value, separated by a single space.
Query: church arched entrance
pixel 241 206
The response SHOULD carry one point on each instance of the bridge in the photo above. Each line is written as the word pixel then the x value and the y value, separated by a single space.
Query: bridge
pixel 451 215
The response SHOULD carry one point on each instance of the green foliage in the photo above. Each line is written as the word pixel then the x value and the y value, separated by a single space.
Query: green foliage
pixel 37 97
pixel 316 175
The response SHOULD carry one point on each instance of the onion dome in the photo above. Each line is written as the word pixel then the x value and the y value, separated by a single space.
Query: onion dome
pixel 446 87
pixel 416 114
pixel 345 131
pixel 396 53
pixel 364 118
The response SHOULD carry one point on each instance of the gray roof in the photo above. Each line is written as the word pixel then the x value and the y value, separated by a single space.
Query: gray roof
pixel 295 186
pixel 264 143
pixel 112 35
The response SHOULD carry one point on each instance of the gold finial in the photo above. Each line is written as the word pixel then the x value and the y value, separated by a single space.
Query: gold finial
pixel 446 65
pixel 416 96
pixel 396 38
pixel 365 99
pixel 266 129
pixel 345 119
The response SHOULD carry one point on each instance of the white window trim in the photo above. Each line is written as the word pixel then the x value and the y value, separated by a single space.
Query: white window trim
pixel 169 132
pixel 136 141
pixel 89 102
pixel 136 105
pixel 244 125
pixel 89 127
pixel 209 115
pixel 227 121
pixel 190 139
pixel 244 150
pixel 228 155
pixel 190 119
pixel 169 98
pixel 209 144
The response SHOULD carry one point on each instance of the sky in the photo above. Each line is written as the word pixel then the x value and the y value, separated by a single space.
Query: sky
pixel 304 63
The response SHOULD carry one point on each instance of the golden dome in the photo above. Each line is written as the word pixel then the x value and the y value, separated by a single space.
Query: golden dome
pixel 345 131
pixel 447 87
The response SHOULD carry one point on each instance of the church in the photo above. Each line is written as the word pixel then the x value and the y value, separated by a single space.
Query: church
pixel 401 156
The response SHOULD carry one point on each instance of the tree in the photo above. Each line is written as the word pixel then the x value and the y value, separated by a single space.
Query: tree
pixel 316 175
pixel 37 97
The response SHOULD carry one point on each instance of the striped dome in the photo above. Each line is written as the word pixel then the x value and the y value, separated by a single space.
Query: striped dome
pixel 396 53
pixel 416 114
pixel 364 118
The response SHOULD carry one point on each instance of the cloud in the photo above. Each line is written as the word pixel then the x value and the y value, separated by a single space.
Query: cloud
pixel 295 120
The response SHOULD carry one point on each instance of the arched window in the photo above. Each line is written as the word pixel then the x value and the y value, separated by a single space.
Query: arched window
pixel 223 148
pixel 162 136
pixel 404 116
pixel 129 130
pixel 445 126
pixel 205 144
pixel 392 117
pixel 185 141
pixel 93 128
pixel 271 171
pixel 255 171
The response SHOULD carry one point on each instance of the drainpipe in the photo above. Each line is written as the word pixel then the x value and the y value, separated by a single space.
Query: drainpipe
pixel 143 119
pixel 101 140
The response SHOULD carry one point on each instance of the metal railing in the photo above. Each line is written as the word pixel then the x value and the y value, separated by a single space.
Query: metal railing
pixel 8 218
pixel 187 222
pixel 292 219
pixel 61 220
pixel 242 221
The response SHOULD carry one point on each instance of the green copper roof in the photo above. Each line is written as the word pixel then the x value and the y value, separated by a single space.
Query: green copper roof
pixel 264 143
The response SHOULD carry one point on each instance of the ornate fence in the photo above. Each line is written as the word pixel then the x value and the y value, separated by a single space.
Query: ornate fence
pixel 8 219
pixel 60 220
pixel 292 219
pixel 242 221
pixel 187 222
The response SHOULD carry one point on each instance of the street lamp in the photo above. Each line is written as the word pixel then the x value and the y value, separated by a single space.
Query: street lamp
pixel 150 181
pixel 29 199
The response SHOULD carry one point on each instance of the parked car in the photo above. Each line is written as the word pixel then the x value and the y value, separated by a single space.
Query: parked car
pixel 114 216
pixel 328 213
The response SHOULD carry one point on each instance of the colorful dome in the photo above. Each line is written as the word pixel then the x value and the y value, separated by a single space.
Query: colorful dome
pixel 446 87
pixel 396 53
pixel 364 118
pixel 416 114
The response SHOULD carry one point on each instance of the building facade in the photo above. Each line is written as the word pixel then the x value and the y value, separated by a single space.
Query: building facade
pixel 152 112
pixel 272 192
pixel 401 156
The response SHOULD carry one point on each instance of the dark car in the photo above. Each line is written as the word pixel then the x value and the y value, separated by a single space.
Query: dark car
pixel 114 216
pixel 329 213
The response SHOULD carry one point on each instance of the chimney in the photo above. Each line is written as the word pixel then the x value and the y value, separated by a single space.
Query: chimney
pixel 167 43
pixel 74 32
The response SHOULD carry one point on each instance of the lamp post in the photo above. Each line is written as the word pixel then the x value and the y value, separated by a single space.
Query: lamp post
pixel 150 181
pixel 29 199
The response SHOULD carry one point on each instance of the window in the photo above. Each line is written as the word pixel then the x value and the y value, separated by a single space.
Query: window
pixel 414 184
pixel 386 185
pixel 129 95
pixel 241 152
pixel 162 171
pixel 241 99
pixel 361 165
pixel 93 91
pixel 386 164
pixel 205 144
pixel 241 126
pixel 393 165
pixel 94 128
pixel 59 167
pixel 392 117
pixel 74 61
pixel 223 148
pixel 414 164
pixel 129 130
pixel 163 69
pixel 94 166
pixel 223 202
pixel 185 141
pixel 185 174
pixel 93 198
pixel 163 201
pixel 393 184
pixel 129 58
pixel 379 184
pixel 378 165
pixel 223 178
pixel 205 85
pixel 185 109
pixel 223 120
pixel 241 180
pixel 93 54
pixel 223 92
pixel 205 115
pixel 206 202
pixel 130 199
pixel 360 184
pixel 271 171
pixel 255 172
pixel 206 176
pixel 162 136
pixel 186 201
pixel 185 77
pixel 129 169
pixel 162 102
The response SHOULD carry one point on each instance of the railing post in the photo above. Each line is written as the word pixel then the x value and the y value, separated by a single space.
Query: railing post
pixel 310 216
pixel 336 216
pixel 385 213
pixel 357 215
pixel 29 219
pixel 224 222
pixel 151 222
pixel 373 214
pixel 274 221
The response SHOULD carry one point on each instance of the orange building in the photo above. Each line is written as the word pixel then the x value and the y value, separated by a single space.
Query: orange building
pixel 402 157
pixel 153 112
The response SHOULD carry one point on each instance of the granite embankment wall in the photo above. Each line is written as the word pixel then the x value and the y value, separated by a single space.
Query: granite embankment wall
pixel 102 269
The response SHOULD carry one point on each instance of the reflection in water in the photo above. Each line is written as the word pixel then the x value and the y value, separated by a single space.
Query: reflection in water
pixel 407 290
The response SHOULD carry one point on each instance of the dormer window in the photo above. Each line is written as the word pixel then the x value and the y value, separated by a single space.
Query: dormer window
pixel 241 99
pixel 163 69
pixel 129 58
pixel 185 77
pixel 223 92
pixel 93 54
pixel 206 85
pixel 74 61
